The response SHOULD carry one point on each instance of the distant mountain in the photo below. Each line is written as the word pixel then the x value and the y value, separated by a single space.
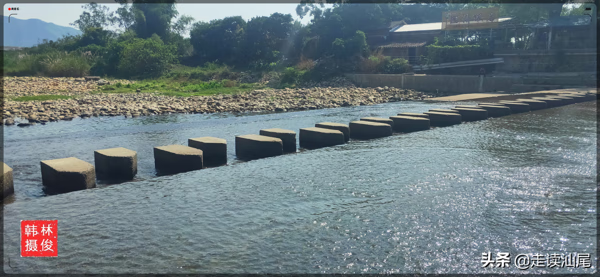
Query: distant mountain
pixel 29 32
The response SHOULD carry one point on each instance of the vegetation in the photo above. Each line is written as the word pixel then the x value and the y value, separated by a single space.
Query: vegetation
pixel 41 97
pixel 150 44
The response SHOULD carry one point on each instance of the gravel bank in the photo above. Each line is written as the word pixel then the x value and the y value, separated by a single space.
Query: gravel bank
pixel 141 104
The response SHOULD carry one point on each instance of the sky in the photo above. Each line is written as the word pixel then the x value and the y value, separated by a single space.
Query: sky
pixel 64 14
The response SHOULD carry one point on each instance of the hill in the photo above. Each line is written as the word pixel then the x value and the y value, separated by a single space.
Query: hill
pixel 29 32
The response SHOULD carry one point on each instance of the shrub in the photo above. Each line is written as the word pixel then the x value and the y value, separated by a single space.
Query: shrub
pixel 145 57
pixel 305 64
pixel 444 54
pixel 396 66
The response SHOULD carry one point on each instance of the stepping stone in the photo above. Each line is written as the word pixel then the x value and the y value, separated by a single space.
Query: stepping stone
pixel 467 106
pixel 443 111
pixel 490 104
pixel 550 102
pixel 214 150
pixel 68 174
pixel 115 164
pixel 369 130
pixel 407 124
pixel 472 114
pixel 444 119
pixel 345 129
pixel 567 100
pixel 495 111
pixel 316 137
pixel 250 147
pixel 414 114
pixel 288 138
pixel 379 119
pixel 517 107
pixel 534 104
pixel 577 97
pixel 7 181
pixel 176 158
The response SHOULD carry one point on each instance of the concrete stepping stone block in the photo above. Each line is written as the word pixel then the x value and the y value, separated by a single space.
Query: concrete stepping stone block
pixel 472 114
pixel 369 130
pixel 576 97
pixel 172 159
pixel 345 129
pixel 214 150
pixel 250 147
pixel 407 124
pixel 379 119
pixel 288 138
pixel 7 181
pixel 534 104
pixel 68 174
pixel 316 137
pixel 517 107
pixel 444 119
pixel 115 164
pixel 495 111
pixel 414 114
pixel 550 102
pixel 443 111
pixel 567 100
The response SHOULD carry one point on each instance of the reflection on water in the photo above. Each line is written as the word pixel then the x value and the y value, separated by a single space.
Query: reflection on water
pixel 425 202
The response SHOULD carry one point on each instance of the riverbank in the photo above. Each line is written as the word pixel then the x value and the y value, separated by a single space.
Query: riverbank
pixel 85 99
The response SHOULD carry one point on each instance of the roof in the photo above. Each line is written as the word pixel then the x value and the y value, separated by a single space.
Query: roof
pixel 562 21
pixel 403 45
pixel 435 26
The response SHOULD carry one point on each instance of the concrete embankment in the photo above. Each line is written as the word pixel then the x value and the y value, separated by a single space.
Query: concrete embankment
pixel 69 174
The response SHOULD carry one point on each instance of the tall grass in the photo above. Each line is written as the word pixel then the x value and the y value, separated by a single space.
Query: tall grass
pixel 54 64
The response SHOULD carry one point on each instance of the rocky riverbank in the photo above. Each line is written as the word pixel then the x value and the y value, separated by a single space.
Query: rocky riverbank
pixel 142 104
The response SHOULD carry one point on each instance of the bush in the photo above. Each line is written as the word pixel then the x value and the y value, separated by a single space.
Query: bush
pixel 305 64
pixel 396 66
pixel 292 76
pixel 145 57
pixel 445 54
pixel 53 64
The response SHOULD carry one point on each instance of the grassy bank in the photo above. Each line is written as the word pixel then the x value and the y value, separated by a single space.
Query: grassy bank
pixel 41 97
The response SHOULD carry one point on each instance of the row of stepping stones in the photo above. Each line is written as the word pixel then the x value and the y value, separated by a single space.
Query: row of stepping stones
pixel 70 174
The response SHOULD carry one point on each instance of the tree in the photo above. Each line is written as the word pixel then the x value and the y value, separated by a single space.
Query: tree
pixel 98 17
pixel 266 36
pixel 219 40
pixel 145 57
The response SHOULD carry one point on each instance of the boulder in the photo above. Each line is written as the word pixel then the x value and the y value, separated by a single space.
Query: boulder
pixel 444 119
pixel 68 174
pixel 316 137
pixel 472 114
pixel 407 124
pixel 288 138
pixel 345 129
pixel 115 164
pixel 414 114
pixel 380 120
pixel 214 150
pixel 495 111
pixel 173 159
pixel 7 181
pixel 369 130
pixel 250 147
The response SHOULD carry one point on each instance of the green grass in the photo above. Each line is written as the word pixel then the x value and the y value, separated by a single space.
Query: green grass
pixel 41 97
pixel 170 87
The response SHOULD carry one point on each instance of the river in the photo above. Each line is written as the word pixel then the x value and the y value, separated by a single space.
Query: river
pixel 424 202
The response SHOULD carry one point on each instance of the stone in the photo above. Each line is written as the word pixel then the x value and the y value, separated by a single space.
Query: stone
pixel 380 120
pixel 407 124
pixel 115 164
pixel 369 130
pixel 250 147
pixel 495 111
pixel 472 114
pixel 175 158
pixel 414 114
pixel 10 121
pixel 7 181
pixel 517 107
pixel 316 137
pixel 92 78
pixel 288 138
pixel 345 129
pixel 68 174
pixel 214 150
pixel 24 124
pixel 534 104
pixel 444 119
